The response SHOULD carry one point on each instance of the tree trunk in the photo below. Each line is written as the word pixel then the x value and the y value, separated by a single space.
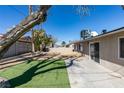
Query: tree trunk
pixel 14 34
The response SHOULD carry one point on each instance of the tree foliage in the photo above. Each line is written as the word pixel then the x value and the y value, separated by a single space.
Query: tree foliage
pixel 63 43
pixel 41 40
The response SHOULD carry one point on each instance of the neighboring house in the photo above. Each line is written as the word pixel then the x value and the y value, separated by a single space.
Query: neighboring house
pixel 23 45
pixel 106 49
pixel 70 45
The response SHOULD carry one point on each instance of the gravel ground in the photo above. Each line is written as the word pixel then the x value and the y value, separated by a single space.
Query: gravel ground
pixel 64 51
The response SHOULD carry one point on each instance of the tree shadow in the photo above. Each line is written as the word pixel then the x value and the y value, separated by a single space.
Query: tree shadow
pixel 31 72
pixel 16 59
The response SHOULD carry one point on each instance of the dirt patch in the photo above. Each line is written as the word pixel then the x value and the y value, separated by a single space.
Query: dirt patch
pixel 65 51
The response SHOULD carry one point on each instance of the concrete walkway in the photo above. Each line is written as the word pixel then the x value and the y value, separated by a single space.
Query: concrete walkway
pixel 89 74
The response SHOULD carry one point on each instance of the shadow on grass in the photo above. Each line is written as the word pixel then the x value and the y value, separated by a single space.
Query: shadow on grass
pixel 31 72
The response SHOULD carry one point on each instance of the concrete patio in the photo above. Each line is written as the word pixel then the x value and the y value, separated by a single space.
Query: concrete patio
pixel 85 73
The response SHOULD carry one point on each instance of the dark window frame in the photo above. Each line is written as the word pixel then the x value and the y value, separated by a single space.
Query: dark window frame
pixel 121 48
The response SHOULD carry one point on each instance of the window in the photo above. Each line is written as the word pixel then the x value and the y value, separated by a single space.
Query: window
pixel 121 48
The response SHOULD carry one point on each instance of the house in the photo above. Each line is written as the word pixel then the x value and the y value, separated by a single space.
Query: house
pixel 70 45
pixel 106 49
pixel 23 45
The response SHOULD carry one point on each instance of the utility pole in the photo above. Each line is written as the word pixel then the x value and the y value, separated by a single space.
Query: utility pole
pixel 30 12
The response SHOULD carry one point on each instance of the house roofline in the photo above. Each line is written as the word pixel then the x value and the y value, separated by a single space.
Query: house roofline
pixel 103 35
pixel 108 33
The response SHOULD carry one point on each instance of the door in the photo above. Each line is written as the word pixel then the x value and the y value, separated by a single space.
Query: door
pixel 94 52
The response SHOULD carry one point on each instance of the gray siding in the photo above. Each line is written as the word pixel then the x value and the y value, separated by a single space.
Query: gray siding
pixel 108 50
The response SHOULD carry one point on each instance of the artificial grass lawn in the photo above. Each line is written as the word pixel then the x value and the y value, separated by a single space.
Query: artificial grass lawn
pixel 38 74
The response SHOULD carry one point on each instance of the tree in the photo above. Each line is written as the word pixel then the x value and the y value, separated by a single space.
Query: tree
pixel 19 30
pixel 29 22
pixel 41 40
pixel 38 36
pixel 46 42
pixel 63 43
pixel 54 40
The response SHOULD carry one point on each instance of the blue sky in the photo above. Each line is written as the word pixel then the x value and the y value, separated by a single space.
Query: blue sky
pixel 63 22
